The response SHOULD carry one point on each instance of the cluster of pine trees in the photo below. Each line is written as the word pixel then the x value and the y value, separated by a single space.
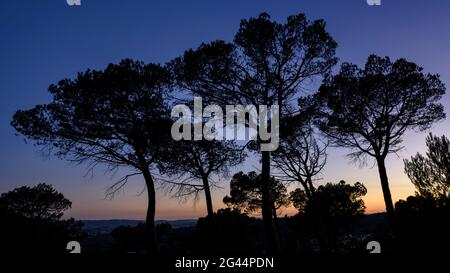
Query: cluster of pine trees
pixel 120 117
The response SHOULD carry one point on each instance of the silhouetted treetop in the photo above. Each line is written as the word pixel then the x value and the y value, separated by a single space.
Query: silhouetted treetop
pixel 246 194
pixel 116 116
pixel 336 200
pixel 370 109
pixel 266 64
pixel 430 174
pixel 31 221
pixel 41 202
pixel 101 115
pixel 331 213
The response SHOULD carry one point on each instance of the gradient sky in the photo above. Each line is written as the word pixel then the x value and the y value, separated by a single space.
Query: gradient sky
pixel 42 42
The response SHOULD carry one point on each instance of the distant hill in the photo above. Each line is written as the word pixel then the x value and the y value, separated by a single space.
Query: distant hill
pixel 106 226
pixel 367 224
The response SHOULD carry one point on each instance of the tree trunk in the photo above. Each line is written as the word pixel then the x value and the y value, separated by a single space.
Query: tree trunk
pixel 390 211
pixel 321 230
pixel 209 205
pixel 277 227
pixel 211 233
pixel 267 204
pixel 318 217
pixel 150 218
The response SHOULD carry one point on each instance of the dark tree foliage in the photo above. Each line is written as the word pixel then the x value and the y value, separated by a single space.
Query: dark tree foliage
pixel 424 224
pixel 195 163
pixel 171 241
pixel 430 174
pixel 337 200
pixel 424 218
pixel 340 206
pixel 299 199
pixel 246 193
pixel 128 239
pixel 114 117
pixel 234 233
pixel 31 221
pixel 267 64
pixel 41 202
pixel 369 110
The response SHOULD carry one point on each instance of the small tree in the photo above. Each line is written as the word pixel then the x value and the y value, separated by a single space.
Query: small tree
pixel 115 117
pixel 430 174
pixel 369 110
pixel 31 221
pixel 246 193
pixel 340 206
pixel 41 202
pixel 340 199
pixel 199 160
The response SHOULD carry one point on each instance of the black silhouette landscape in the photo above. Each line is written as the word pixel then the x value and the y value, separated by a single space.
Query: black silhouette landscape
pixel 118 118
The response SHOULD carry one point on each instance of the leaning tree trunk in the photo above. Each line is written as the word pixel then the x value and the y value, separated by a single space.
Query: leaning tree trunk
pixel 267 204
pixel 390 211
pixel 150 218
pixel 212 234
pixel 209 205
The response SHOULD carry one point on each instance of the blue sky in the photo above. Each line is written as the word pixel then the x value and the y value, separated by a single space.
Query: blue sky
pixel 42 42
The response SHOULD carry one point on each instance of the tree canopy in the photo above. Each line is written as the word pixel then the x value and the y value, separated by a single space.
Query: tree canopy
pixel 41 202
pixel 117 117
pixel 430 174
pixel 266 64
pixel 336 200
pixel 246 195
pixel 369 110
pixel 192 165
pixel 32 221
pixel 107 116
pixel 338 206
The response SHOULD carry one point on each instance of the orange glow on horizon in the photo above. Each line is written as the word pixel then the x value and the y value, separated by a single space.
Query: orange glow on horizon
pixel 189 210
